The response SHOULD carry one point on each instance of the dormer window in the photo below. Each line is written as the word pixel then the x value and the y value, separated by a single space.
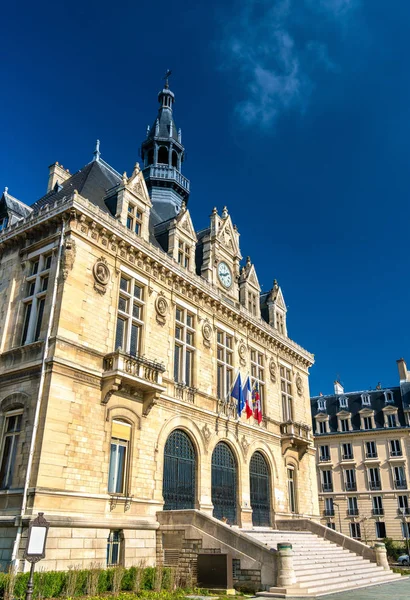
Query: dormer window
pixel 184 252
pixel 388 397
pixel 3 223
pixel 343 402
pixel 321 404
pixel 366 400
pixel 134 219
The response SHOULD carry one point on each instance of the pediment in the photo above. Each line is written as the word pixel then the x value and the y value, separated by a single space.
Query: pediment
pixel 227 237
pixel 344 414
pixel 136 184
pixel 184 222
pixel 366 412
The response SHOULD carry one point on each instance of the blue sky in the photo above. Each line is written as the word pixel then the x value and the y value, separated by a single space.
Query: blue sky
pixel 294 113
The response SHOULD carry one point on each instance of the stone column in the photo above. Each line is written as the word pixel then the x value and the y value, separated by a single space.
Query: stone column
pixel 381 556
pixel 286 574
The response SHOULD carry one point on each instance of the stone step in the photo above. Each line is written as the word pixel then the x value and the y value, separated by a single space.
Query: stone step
pixel 351 583
pixel 346 574
pixel 299 557
pixel 306 568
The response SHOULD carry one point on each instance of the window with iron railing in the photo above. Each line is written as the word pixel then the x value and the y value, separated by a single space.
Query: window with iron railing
pixel 374 479
pixel 377 506
pixel 395 448
pixel 347 451
pixel 327 480
pixel 324 453
pixel 350 480
pixel 352 507
pixel 371 450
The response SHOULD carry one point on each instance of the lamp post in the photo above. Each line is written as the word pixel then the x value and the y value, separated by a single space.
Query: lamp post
pixel 406 529
pixel 340 520
pixel 36 546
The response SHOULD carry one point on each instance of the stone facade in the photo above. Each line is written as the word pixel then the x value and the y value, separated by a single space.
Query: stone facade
pixel 74 396
pixel 363 450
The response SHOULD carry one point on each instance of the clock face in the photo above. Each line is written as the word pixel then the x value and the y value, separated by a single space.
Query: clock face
pixel 225 275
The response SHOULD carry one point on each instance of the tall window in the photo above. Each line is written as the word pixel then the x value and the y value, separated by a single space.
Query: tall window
pixel 34 302
pixel 130 316
pixel 327 482
pixel 257 373
pixel 377 505
pixel 252 299
pixel 399 478
pixel 371 450
pixel 225 362
pixel 391 420
pixel 403 502
pixel 184 254
pixel 347 451
pixel 352 507
pixel 405 529
pixel 292 490
pixel 374 478
pixel 286 389
pixel 117 475
pixel 355 532
pixel 3 223
pixel 329 508
pixel 12 430
pixel 350 480
pixel 113 548
pixel 344 424
pixel 380 530
pixel 395 448
pixel 134 219
pixel 322 426
pixel 184 346
pixel 366 401
pixel 367 423
pixel 324 454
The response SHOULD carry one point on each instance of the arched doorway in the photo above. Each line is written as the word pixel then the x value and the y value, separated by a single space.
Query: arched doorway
pixel 224 483
pixel 260 490
pixel 178 484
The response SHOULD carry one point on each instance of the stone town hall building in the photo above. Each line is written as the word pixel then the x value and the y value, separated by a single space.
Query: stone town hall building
pixel 122 329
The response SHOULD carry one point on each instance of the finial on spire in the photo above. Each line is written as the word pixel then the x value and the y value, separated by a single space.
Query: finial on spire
pixel 224 212
pixel 97 152
pixel 148 130
pixel 167 74
pixel 275 283
pixel 248 261
pixel 6 189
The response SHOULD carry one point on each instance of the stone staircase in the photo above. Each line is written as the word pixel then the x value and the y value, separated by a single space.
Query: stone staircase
pixel 321 567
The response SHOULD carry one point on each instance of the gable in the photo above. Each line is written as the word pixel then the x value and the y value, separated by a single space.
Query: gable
pixel 136 184
pixel 227 237
pixel 184 222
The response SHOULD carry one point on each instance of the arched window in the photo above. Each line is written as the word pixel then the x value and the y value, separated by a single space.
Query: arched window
pixel 12 429
pixel 163 155
pixel 119 457
pixel 260 490
pixel 174 159
pixel 178 486
pixel 224 483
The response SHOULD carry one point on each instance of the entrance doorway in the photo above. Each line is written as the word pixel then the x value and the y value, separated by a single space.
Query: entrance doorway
pixel 178 487
pixel 224 483
pixel 260 490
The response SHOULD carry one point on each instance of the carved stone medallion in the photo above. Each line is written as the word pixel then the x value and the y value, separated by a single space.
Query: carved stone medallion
pixel 245 446
pixel 272 370
pixel 207 333
pixel 206 434
pixel 101 274
pixel 242 353
pixel 299 385
pixel 161 306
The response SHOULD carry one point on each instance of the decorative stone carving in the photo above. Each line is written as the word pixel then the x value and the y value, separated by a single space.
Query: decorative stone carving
pixel 161 306
pixel 68 257
pixel 206 434
pixel 101 274
pixel 207 333
pixel 299 385
pixel 272 370
pixel 242 350
pixel 245 446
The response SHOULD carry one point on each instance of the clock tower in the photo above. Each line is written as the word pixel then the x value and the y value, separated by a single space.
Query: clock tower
pixel 218 254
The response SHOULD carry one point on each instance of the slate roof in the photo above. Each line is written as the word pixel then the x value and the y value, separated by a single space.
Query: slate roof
pixel 377 403
pixel 165 119
pixel 91 182
pixel 14 205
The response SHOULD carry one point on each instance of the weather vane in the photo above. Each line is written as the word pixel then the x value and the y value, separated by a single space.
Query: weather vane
pixel 167 74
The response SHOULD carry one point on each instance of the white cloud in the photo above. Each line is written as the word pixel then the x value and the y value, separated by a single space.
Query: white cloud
pixel 271 45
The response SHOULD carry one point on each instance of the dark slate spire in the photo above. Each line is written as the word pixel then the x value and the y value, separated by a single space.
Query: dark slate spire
pixel 163 154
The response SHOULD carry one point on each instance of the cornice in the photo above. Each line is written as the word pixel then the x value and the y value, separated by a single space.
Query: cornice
pixel 107 232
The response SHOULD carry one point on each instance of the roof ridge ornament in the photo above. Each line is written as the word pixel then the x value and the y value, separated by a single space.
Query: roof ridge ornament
pixel 166 76
pixel 97 152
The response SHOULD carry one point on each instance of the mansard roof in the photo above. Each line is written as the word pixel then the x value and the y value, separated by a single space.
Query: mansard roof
pixel 355 405
pixel 92 182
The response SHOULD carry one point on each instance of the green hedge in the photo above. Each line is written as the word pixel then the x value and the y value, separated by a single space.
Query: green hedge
pixel 52 584
pixel 394 549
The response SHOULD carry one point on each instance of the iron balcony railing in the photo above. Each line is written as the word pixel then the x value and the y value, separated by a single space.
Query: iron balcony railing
pixel 396 453
pixel 352 512
pixel 400 484
pixel 324 458
pixel 403 511
pixel 327 487
pixel 377 512
pixel 329 512
pixel 375 485
pixel 167 172
pixel 350 486
pixel 348 456
pixel 371 454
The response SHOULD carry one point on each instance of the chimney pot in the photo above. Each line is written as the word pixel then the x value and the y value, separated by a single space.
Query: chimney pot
pixel 403 373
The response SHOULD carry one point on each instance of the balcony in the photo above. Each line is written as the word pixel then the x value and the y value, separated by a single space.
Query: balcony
pixel 329 512
pixel 347 457
pixel 377 512
pixel 167 172
pixel 295 436
pixel 371 455
pixel 135 376
pixel 403 512
pixel 350 486
pixel 325 458
pixel 375 485
pixel 184 393
pixel 352 512
pixel 400 484
pixel 327 487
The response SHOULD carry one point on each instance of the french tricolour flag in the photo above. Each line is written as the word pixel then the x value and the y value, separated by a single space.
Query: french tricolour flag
pixel 247 394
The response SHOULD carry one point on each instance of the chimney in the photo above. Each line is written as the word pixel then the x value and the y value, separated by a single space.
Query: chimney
pixel 57 174
pixel 403 374
pixel 339 389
